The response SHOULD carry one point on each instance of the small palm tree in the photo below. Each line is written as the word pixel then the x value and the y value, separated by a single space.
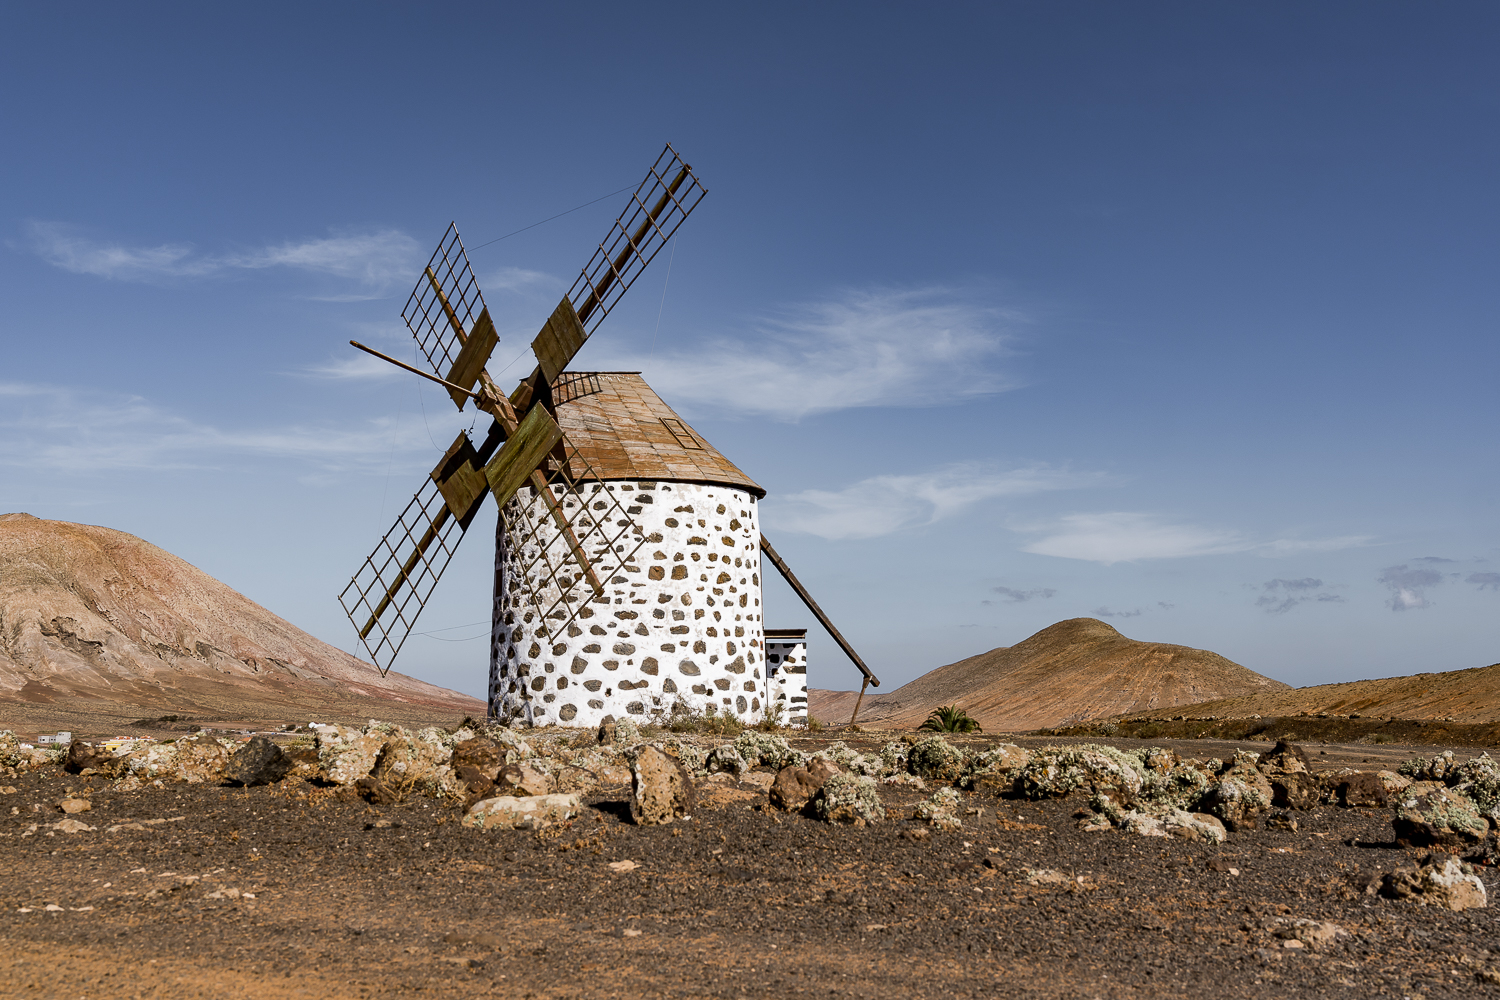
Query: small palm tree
pixel 950 719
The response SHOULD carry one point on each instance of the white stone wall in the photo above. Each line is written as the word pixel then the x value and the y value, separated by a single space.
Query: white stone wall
pixel 682 623
pixel 786 678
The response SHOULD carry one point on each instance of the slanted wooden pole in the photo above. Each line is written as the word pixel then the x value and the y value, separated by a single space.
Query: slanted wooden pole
pixel 853 718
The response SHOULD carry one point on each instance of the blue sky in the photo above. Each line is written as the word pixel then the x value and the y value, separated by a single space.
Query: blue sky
pixel 1177 315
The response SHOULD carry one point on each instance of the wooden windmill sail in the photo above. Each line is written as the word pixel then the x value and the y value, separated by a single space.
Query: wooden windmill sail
pixel 573 535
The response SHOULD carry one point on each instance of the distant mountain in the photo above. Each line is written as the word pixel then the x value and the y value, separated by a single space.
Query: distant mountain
pixel 99 622
pixel 1074 670
pixel 1467 696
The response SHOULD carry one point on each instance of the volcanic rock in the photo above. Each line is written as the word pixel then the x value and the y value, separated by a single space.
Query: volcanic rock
pixel 1362 789
pixel 661 789
pixel 1441 818
pixel 259 762
pixel 793 788
pixel 1295 790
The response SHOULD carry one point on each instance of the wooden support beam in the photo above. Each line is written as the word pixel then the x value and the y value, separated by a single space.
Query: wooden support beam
pixel 812 605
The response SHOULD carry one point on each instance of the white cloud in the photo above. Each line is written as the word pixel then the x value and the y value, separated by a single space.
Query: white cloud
pixel 881 505
pixel 517 279
pixel 375 259
pixel 62 431
pixel 1124 537
pixel 926 347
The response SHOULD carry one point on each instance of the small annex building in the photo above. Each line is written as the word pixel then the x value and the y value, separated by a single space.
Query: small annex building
pixel 681 623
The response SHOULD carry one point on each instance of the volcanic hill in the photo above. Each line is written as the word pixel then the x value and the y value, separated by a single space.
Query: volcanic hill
pixel 98 627
pixel 1075 670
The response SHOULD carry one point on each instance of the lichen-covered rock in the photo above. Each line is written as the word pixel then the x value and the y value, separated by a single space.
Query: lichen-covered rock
pixel 409 764
pixel 766 750
pixel 1428 768
pixel 1181 786
pixel 345 755
pixel 1447 883
pixel 1001 761
pixel 935 759
pixel 627 732
pixel 15 757
pixel 850 799
pixel 1238 793
pixel 846 758
pixel 725 760
pixel 533 812
pixel 893 756
pixel 661 789
pixel 1479 781
pixel 941 810
pixel 1054 772
pixel 793 788
pixel 259 762
pixel 1394 783
pixel 1442 817
pixel 201 759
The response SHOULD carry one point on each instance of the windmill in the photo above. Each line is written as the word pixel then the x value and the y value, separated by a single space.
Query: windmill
pixel 627 552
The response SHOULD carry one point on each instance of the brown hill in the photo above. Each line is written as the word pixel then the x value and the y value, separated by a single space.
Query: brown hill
pixel 98 625
pixel 1465 696
pixel 1074 670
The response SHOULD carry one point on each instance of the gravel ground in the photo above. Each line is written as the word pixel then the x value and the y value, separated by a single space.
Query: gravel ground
pixel 298 891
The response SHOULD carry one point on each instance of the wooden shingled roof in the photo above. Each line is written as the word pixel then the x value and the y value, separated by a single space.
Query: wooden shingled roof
pixel 625 431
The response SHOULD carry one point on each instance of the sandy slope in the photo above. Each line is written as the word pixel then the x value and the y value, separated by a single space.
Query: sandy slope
pixel 1074 670
pixel 94 615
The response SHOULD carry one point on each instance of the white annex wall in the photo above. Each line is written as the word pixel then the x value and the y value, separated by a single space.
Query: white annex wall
pixel 679 624
pixel 786 677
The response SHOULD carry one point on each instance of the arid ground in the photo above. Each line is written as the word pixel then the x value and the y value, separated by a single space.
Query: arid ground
pixel 293 890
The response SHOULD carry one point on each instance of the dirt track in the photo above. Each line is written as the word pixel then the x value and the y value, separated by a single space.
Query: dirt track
pixel 735 902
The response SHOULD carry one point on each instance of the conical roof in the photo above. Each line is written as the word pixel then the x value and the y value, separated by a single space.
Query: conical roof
pixel 625 431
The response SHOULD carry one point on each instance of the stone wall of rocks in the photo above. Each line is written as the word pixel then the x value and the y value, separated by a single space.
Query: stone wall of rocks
pixel 679 624
pixel 786 678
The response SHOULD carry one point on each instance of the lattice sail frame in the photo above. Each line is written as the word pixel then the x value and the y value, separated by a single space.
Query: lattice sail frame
pixel 401 553
pixel 546 584
pixel 424 311
pixel 669 193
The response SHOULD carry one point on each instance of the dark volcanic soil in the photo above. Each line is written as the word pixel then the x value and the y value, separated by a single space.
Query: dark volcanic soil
pixel 351 900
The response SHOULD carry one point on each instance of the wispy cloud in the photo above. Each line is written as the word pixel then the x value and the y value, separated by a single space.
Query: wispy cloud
pixel 1120 536
pixel 1107 613
pixel 1281 596
pixel 885 504
pixel 58 430
pixel 924 347
pixel 1409 586
pixel 1009 595
pixel 1125 536
pixel 1485 581
pixel 374 259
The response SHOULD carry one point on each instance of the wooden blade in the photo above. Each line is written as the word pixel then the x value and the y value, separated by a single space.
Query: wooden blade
pixel 472 356
pixel 560 339
pixel 459 480
pixel 522 454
